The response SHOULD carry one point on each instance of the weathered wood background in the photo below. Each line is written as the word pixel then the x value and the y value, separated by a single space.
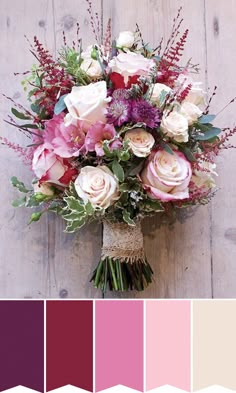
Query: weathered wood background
pixel 193 259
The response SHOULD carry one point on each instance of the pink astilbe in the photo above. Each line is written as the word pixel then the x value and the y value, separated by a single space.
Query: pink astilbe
pixel 107 39
pixel 25 153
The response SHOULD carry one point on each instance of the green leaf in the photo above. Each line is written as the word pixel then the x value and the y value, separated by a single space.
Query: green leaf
pixel 127 218
pixel 73 216
pixel 19 202
pixel 106 150
pixel 203 127
pixel 209 134
pixel 75 225
pixel 18 184
pixel 35 217
pixel 118 171
pixel 60 105
pixel 187 152
pixel 89 208
pixel 152 205
pixel 20 115
pixel 168 149
pixel 204 119
pixel 74 204
pixel 135 169
pixel 29 126
pixel 35 108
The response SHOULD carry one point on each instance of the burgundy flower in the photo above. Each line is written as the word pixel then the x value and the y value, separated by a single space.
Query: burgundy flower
pixel 144 112
pixel 118 112
pixel 118 81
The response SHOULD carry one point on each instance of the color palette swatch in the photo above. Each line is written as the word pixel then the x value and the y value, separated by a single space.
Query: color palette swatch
pixel 166 345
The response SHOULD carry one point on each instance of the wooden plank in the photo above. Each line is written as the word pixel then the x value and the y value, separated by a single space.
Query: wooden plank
pixel 180 256
pixel 23 252
pixel 221 59
pixel 40 260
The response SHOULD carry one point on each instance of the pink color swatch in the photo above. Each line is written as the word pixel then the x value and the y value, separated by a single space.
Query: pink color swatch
pixel 168 344
pixel 119 344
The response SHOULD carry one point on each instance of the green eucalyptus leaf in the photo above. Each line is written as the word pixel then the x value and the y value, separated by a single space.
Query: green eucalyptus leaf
pixel 209 134
pixel 204 119
pixel 60 105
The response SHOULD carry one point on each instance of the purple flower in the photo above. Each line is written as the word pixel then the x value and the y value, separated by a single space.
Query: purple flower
pixel 118 112
pixel 144 112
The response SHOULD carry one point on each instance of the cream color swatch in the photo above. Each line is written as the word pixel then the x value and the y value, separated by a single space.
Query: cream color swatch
pixel 214 343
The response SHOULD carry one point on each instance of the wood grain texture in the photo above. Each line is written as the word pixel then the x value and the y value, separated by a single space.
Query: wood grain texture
pixel 194 258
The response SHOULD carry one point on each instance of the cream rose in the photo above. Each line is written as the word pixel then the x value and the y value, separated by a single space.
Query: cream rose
pixel 90 65
pixel 190 111
pixel 175 125
pixel 125 40
pixel 196 95
pixel 97 185
pixel 158 88
pixel 140 141
pixel 203 176
pixel 166 176
pixel 87 103
pixel 130 64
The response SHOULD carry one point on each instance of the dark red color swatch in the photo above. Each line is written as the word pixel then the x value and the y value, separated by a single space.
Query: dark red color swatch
pixel 69 344
pixel 22 344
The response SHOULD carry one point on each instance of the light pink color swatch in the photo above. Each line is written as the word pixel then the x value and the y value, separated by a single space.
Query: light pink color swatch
pixel 119 344
pixel 168 344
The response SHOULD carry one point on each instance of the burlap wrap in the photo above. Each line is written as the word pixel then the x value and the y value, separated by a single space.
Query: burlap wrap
pixel 123 242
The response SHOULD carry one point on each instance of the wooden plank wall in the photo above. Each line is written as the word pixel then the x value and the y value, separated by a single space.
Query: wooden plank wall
pixel 196 258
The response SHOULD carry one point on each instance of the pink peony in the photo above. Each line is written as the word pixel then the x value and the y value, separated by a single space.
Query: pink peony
pixel 65 141
pixel 98 133
pixel 48 167
pixel 166 176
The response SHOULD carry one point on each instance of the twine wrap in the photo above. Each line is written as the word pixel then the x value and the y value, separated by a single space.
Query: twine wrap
pixel 123 242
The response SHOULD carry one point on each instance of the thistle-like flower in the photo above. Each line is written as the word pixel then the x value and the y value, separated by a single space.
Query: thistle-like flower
pixel 142 111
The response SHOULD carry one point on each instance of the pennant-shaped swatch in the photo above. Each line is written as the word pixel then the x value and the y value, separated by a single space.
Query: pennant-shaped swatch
pixel 22 344
pixel 214 343
pixel 168 343
pixel 119 344
pixel 69 353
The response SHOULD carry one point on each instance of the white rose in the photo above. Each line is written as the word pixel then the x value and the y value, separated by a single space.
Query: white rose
pixel 190 111
pixel 196 95
pixel 87 103
pixel 157 92
pixel 175 126
pixel 130 64
pixel 97 185
pixel 90 65
pixel 140 141
pixel 126 39
pixel 43 188
pixel 203 176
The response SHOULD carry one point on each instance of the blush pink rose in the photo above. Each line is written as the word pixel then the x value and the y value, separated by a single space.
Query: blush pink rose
pixel 166 176
pixel 97 134
pixel 65 141
pixel 48 167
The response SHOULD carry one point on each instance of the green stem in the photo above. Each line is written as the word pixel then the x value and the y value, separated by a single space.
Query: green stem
pixel 113 274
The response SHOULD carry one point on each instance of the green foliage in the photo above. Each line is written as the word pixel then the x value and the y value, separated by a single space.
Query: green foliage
pixel 60 105
pixel 76 213
pixel 118 171
pixel 71 61
pixel 35 217
pixel 20 115
pixel 205 119
pixel 127 218
pixel 19 184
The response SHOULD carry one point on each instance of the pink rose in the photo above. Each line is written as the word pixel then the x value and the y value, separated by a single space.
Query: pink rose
pixel 130 64
pixel 166 176
pixel 48 167
pixel 97 134
pixel 65 141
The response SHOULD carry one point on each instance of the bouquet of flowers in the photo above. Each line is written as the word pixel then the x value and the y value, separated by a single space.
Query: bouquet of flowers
pixel 120 131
